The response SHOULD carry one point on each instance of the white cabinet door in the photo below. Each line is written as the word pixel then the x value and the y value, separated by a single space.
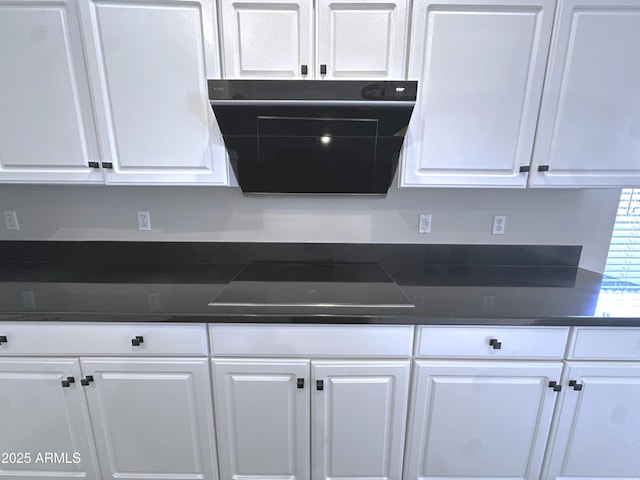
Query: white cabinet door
pixel 589 129
pixel 359 419
pixel 152 418
pixel 149 64
pixel 44 420
pixel 480 419
pixel 46 122
pixel 362 39
pixel 267 38
pixel 480 67
pixel 262 418
pixel 596 428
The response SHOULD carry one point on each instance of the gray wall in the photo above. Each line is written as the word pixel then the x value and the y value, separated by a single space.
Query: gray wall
pixel 562 217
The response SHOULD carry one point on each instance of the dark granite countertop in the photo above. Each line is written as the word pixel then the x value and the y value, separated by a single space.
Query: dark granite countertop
pixel 494 291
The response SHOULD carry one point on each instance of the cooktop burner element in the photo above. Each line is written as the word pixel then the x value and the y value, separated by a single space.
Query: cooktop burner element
pixel 313 285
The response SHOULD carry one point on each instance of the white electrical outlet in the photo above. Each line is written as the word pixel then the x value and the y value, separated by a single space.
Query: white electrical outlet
pixel 11 220
pixel 425 223
pixel 499 224
pixel 144 221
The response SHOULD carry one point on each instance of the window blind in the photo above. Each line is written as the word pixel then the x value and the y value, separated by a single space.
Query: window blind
pixel 622 271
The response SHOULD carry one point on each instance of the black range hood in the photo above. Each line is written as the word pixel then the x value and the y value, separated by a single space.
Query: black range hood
pixel 313 136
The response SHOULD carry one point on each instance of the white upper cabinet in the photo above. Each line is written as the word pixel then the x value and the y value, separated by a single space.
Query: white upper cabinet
pixel 589 128
pixel 362 39
pixel 267 39
pixel 339 40
pixel 480 67
pixel 148 65
pixel 46 122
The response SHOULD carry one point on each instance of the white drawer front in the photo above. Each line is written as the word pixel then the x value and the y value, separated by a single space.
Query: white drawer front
pixel 479 342
pixel 590 343
pixel 312 340
pixel 34 338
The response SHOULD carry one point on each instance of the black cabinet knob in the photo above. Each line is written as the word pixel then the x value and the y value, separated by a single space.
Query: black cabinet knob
pixel 301 383
pixel 320 385
pixel 576 386
pixel 323 69
pixel 495 344
pixel 3 339
pixel 67 383
pixel 304 69
pixel 137 341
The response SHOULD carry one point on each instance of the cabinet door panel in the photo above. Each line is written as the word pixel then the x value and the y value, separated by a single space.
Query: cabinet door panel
pixel 46 122
pixel 363 39
pixel 151 91
pixel 152 418
pixel 480 419
pixel 359 419
pixel 596 429
pixel 262 418
pixel 480 68
pixel 267 39
pixel 589 132
pixel 39 416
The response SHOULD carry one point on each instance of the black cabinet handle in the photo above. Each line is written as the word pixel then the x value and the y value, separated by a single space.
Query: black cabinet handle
pixel 3 339
pixel 576 386
pixel 301 383
pixel 323 69
pixel 86 380
pixel 495 344
pixel 67 383
pixel 543 168
pixel 320 385
pixel 137 341
pixel 304 69
pixel 556 388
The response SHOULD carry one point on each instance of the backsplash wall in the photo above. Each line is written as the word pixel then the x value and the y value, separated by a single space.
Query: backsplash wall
pixel 463 216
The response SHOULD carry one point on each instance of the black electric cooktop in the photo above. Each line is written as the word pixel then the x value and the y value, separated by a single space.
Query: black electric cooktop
pixel 313 285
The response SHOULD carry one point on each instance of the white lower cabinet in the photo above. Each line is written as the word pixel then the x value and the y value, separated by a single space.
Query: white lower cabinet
pixel 480 419
pixel 151 417
pixel 44 426
pixel 596 432
pixel 359 409
pixel 147 415
pixel 271 413
pixel 262 418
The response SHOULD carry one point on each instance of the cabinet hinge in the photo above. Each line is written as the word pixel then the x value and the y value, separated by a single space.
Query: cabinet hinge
pixel 543 168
